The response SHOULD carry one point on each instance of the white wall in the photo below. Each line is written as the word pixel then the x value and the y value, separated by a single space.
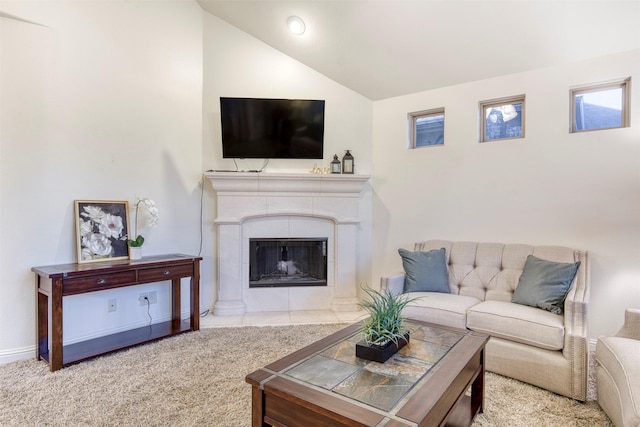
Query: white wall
pixel 238 65
pixel 102 101
pixel 552 187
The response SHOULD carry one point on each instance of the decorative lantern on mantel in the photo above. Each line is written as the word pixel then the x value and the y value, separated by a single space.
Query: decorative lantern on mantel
pixel 347 163
pixel 335 164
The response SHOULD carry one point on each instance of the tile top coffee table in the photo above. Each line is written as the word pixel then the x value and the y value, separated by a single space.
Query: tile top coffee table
pixel 424 384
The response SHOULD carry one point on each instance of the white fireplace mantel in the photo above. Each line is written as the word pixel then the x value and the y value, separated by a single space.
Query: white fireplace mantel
pixel 277 205
pixel 249 182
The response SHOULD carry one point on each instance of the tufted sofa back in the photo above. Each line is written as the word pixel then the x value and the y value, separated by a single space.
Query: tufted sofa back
pixel 490 271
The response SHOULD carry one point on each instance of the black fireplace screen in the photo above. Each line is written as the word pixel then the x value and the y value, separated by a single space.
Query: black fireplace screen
pixel 287 262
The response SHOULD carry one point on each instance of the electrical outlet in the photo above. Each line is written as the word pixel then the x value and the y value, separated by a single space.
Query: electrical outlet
pixel 152 298
pixel 112 305
pixel 143 298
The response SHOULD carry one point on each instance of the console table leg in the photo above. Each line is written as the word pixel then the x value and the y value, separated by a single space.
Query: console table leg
pixel 195 298
pixel 175 304
pixel 55 352
pixel 42 326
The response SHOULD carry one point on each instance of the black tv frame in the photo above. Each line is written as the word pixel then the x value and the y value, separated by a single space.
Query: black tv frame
pixel 272 128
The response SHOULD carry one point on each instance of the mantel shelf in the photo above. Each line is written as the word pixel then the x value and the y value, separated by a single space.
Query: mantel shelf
pixel 264 182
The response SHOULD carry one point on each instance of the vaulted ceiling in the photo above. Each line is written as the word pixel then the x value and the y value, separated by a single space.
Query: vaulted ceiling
pixel 387 48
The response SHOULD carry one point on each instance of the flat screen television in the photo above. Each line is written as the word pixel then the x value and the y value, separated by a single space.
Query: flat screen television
pixel 255 128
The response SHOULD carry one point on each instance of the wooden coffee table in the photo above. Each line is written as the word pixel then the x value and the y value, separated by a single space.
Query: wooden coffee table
pixel 437 379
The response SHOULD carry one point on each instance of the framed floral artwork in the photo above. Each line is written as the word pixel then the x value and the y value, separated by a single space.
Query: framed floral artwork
pixel 102 229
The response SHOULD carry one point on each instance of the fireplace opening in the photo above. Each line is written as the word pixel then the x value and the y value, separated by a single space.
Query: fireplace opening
pixel 287 262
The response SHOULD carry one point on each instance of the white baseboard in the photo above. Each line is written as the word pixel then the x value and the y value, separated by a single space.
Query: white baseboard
pixel 15 354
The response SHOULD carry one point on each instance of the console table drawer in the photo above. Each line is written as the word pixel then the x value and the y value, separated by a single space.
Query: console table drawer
pixel 165 273
pixel 95 283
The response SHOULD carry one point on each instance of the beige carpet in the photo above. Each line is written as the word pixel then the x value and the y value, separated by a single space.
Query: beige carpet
pixel 198 379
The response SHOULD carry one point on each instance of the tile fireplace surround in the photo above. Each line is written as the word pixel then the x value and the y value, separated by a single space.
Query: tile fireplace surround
pixel 286 205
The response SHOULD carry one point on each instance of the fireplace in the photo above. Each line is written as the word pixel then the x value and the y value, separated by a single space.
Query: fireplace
pixel 287 208
pixel 287 262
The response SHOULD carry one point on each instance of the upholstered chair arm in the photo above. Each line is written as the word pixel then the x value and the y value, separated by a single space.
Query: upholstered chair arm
pixel 395 283
pixel 631 327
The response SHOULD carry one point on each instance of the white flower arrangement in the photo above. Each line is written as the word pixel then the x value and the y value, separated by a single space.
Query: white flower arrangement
pixel 154 216
pixel 97 229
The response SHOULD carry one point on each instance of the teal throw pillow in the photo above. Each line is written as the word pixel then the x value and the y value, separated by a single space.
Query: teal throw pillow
pixel 425 271
pixel 545 284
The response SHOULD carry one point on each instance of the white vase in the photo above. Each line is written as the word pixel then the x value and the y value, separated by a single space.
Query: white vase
pixel 135 252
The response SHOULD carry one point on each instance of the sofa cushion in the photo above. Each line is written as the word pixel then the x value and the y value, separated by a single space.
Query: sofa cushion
pixel 544 284
pixel 527 325
pixel 440 308
pixel 619 357
pixel 425 271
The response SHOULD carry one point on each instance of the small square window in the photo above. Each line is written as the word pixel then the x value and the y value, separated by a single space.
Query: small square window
pixel 426 128
pixel 502 118
pixel 600 106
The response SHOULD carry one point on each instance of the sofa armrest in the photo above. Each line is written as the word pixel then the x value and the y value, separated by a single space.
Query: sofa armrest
pixel 575 314
pixel 395 283
pixel 577 302
pixel 575 323
pixel 576 307
pixel 631 327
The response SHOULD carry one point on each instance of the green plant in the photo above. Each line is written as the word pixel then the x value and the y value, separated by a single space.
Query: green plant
pixel 385 322
pixel 136 243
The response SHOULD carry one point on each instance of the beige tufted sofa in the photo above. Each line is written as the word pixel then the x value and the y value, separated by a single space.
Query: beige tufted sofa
pixel 527 343
pixel 618 372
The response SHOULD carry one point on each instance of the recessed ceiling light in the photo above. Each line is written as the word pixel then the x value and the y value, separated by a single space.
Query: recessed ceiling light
pixel 296 25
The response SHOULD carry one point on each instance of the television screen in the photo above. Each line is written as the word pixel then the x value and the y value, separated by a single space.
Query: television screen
pixel 272 128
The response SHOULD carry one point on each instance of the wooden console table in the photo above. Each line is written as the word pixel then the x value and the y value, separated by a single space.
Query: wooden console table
pixel 57 281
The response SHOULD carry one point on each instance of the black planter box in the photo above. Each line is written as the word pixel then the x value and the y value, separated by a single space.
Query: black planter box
pixel 380 353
